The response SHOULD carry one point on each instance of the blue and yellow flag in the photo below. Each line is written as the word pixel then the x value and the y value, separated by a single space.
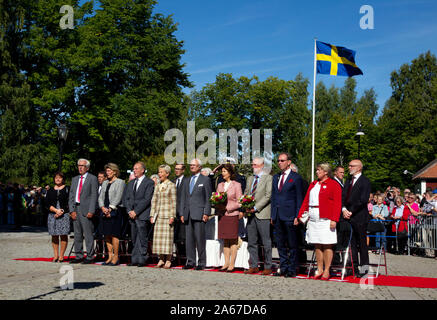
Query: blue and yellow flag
pixel 336 61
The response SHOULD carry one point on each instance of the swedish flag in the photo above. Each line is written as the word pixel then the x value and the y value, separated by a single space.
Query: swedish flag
pixel 336 61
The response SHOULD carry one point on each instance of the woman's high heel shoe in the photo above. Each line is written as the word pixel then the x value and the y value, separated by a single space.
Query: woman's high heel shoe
pixel 318 276
pixel 167 265
pixel 55 260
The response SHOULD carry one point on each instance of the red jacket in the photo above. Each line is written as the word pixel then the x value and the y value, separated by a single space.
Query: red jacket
pixel 403 224
pixel 329 200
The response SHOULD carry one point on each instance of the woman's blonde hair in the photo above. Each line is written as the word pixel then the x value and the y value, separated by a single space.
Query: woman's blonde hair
pixel 325 167
pixel 165 167
pixel 113 167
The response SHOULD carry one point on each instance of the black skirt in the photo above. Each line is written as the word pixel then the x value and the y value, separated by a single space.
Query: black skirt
pixel 111 226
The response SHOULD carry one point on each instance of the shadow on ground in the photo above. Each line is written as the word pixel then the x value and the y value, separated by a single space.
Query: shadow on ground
pixel 76 286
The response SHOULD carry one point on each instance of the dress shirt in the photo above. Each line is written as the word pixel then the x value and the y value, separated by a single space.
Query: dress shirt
pixel 354 180
pixel 251 187
pixel 179 181
pixel 140 179
pixel 287 172
pixel 339 181
pixel 78 185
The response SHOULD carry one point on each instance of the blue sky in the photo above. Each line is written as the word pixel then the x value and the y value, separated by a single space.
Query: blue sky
pixel 276 37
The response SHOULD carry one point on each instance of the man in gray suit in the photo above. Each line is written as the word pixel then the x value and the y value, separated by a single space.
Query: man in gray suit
pixel 258 222
pixel 196 208
pixel 139 193
pixel 82 203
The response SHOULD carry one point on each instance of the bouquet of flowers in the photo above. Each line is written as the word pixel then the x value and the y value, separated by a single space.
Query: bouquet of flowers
pixel 219 201
pixel 247 201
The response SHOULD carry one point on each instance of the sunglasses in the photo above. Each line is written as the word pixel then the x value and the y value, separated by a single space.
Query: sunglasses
pixel 282 160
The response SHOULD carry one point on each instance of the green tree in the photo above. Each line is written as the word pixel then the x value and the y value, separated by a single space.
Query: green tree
pixel 248 103
pixel 408 125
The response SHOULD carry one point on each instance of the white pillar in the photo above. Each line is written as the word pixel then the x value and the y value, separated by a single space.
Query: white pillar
pixel 422 187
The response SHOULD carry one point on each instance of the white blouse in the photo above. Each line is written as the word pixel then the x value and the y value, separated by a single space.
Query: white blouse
pixel 314 195
pixel 226 186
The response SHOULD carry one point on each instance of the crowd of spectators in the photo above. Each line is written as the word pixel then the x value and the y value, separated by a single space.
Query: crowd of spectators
pixel 390 207
pixel 21 205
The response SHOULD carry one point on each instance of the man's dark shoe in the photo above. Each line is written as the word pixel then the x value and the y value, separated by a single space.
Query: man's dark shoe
pixel 142 264
pixel 188 266
pixel 200 268
pixel 290 275
pixel 132 264
pixel 76 261
pixel 277 274
pixel 88 261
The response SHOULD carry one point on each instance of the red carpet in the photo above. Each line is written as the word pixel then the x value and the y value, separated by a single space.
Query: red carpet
pixel 382 280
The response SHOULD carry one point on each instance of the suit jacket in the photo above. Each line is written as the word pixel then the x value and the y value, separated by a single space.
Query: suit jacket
pixel 358 198
pixel 286 203
pixel 233 195
pixel 179 211
pixel 262 195
pixel 140 201
pixel 88 195
pixel 115 193
pixel 164 201
pixel 197 204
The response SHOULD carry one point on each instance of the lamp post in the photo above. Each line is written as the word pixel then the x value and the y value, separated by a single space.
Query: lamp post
pixel 359 134
pixel 62 137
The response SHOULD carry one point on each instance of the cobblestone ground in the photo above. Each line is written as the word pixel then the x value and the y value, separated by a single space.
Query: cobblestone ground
pixel 24 280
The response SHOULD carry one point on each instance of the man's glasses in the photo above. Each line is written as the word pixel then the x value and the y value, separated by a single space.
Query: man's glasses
pixel 279 160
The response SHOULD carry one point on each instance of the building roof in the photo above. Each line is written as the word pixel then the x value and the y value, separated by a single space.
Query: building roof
pixel 429 171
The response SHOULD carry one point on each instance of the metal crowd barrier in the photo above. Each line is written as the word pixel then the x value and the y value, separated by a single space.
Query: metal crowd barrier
pixel 423 233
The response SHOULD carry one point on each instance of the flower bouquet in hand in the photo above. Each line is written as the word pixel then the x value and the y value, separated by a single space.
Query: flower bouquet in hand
pixel 247 202
pixel 219 201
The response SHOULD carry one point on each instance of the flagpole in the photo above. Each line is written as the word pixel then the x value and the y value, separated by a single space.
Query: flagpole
pixel 314 108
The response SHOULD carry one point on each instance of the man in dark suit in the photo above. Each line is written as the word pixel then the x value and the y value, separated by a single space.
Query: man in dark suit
pixel 82 204
pixel 356 194
pixel 139 193
pixel 343 226
pixel 196 209
pixel 98 235
pixel 339 175
pixel 179 228
pixel 286 202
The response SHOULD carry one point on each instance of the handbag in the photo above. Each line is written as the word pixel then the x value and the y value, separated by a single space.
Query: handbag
pixel 375 226
pixel 305 217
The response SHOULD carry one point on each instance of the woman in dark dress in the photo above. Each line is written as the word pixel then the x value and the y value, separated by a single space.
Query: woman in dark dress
pixel 109 200
pixel 58 220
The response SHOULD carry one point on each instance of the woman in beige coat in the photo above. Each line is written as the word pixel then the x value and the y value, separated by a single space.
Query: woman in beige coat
pixel 163 213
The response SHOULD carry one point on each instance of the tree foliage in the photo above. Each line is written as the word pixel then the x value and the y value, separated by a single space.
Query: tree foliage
pixel 116 79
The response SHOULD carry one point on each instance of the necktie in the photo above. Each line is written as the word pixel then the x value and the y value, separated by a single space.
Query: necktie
pixel 255 183
pixel 349 189
pixel 281 184
pixel 135 185
pixel 192 183
pixel 80 188
pixel 178 182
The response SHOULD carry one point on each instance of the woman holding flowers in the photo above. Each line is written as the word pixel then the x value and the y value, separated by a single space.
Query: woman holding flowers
pixel 228 221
